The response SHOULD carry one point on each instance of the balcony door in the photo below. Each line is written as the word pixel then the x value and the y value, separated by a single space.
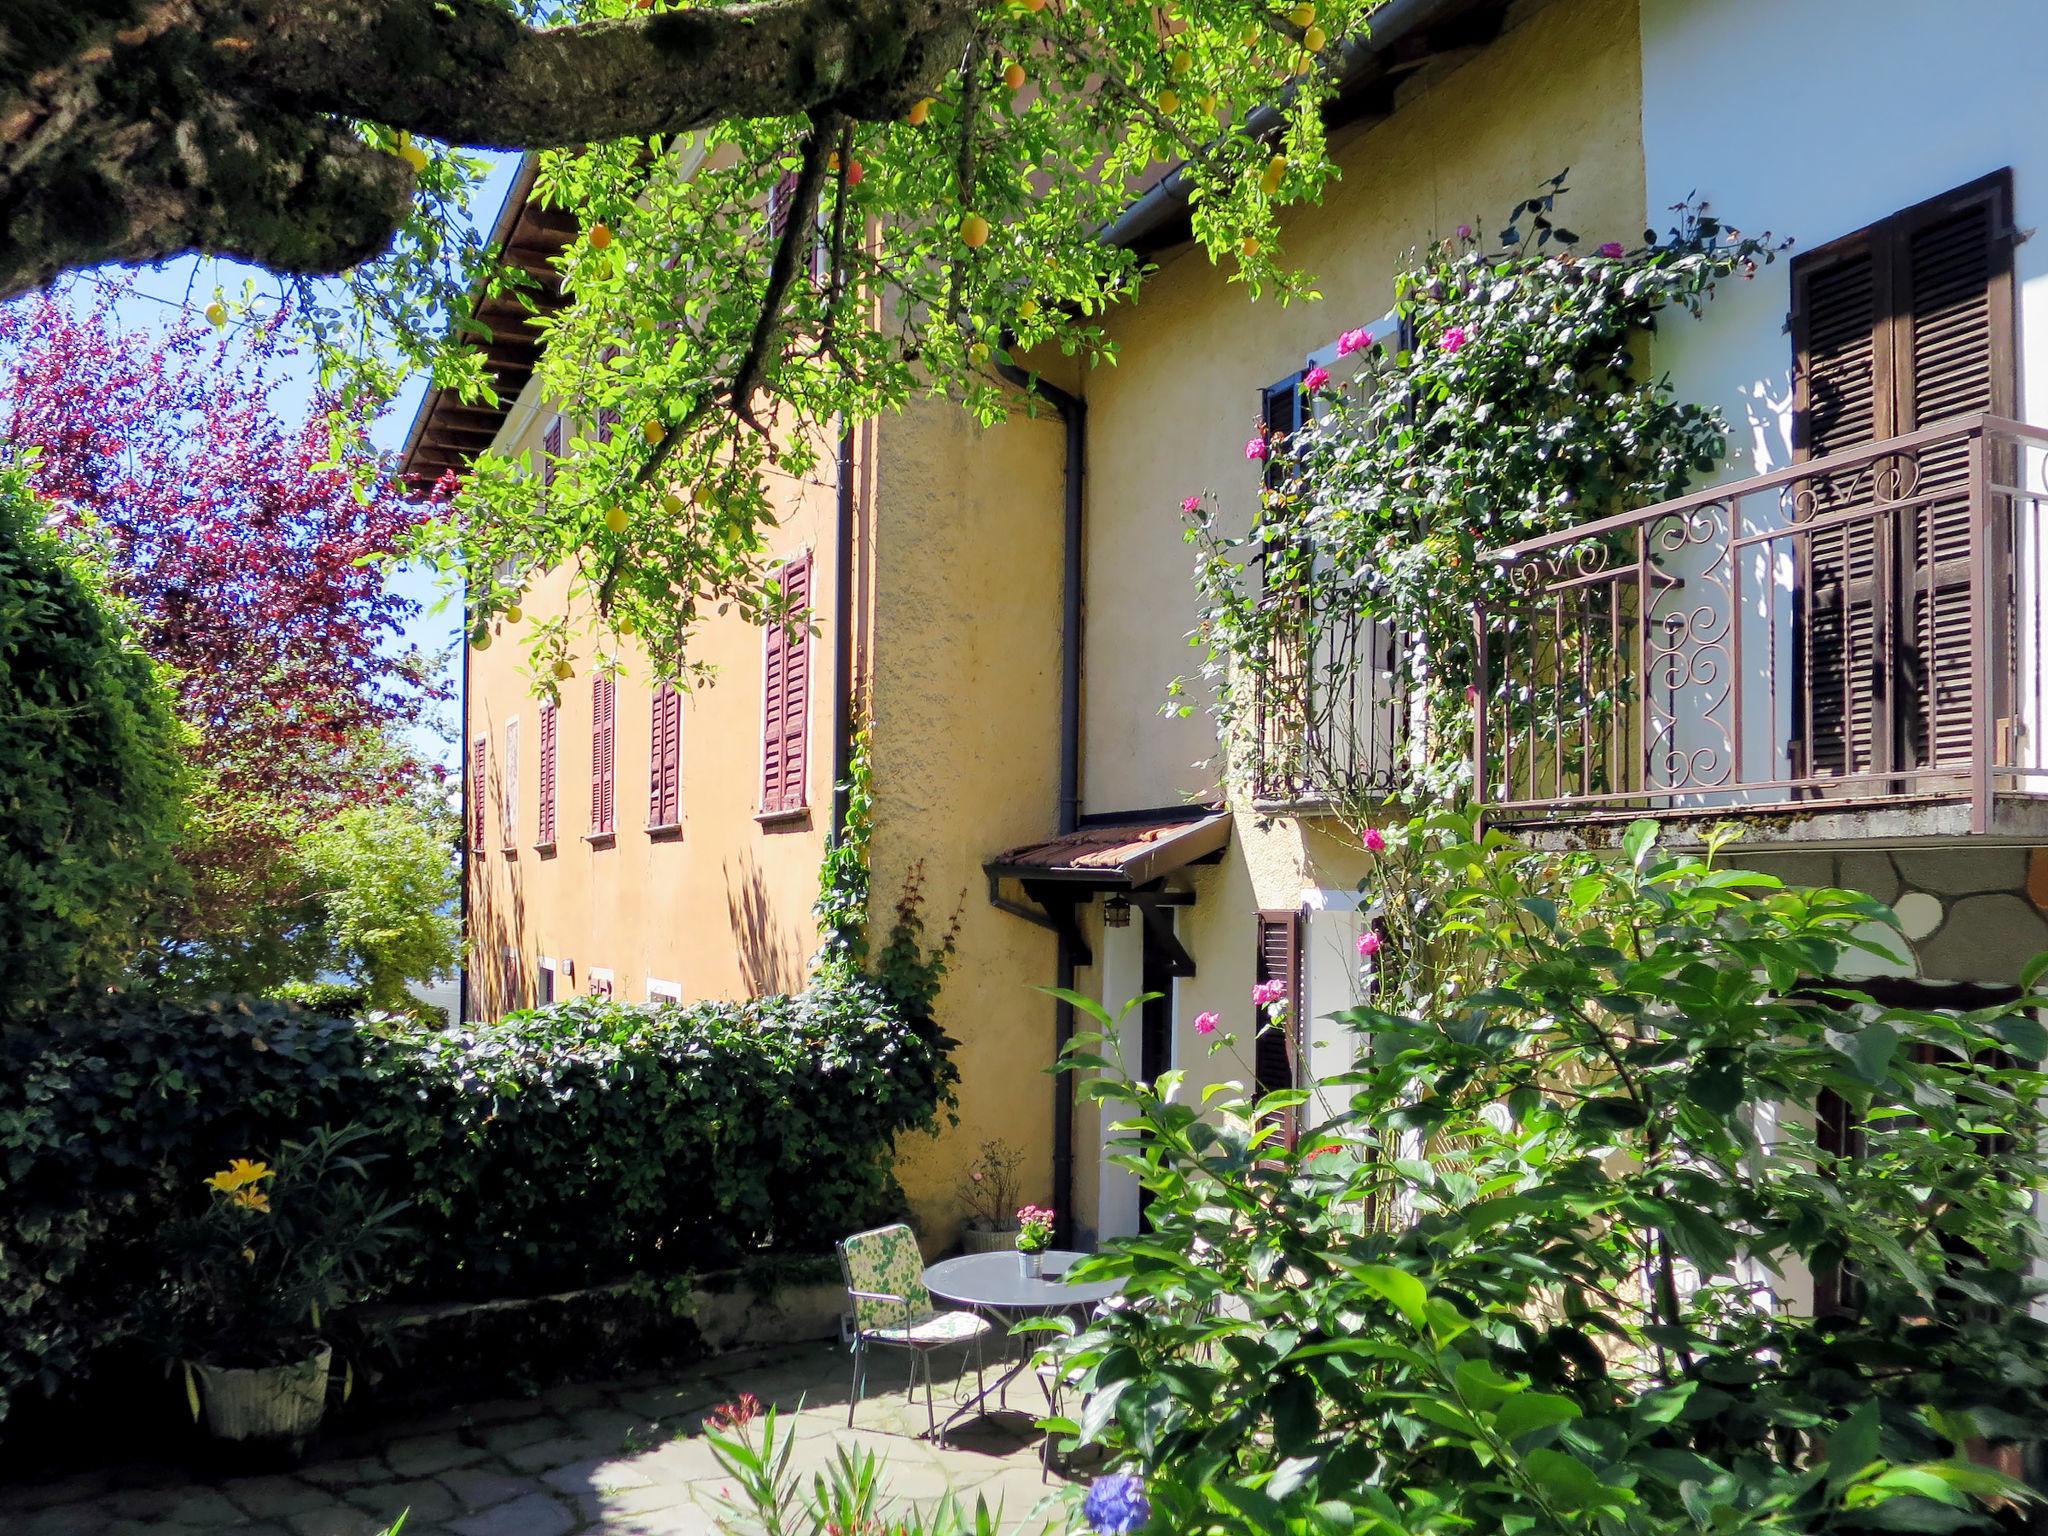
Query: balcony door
pixel 1895 328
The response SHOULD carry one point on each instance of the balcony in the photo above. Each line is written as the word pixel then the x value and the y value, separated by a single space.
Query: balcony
pixel 1328 725
pixel 1852 646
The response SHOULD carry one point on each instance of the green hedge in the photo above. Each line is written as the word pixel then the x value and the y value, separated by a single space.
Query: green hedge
pixel 90 782
pixel 571 1145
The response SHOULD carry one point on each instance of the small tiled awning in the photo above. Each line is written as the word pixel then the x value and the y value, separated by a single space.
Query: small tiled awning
pixel 1121 855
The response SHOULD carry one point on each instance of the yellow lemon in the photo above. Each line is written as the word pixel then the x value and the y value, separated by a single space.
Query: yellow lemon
pixel 672 504
pixel 654 432
pixel 480 638
pixel 1303 15
pixel 1314 39
pixel 1169 102
pixel 217 314
pixel 1276 172
pixel 1209 104
pixel 1183 61
pixel 1013 76
pixel 615 519
pixel 563 670
pixel 974 231
pixel 978 353
pixel 1027 308
pixel 600 236
pixel 1249 246
pixel 514 613
pixel 920 111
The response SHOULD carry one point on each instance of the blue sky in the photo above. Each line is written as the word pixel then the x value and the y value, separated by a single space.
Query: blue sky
pixel 191 283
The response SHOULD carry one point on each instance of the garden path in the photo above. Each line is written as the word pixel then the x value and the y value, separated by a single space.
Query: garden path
pixel 612 1459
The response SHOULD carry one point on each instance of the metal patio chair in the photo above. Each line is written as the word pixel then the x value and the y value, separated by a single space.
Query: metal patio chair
pixel 884 1273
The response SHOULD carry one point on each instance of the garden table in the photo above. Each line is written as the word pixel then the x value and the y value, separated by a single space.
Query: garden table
pixel 995 1285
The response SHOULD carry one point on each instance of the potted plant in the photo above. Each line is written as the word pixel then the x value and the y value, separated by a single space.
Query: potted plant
pixel 1034 1236
pixel 989 1190
pixel 251 1276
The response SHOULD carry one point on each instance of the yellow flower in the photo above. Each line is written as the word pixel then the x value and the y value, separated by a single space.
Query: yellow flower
pixel 239 1174
pixel 251 1199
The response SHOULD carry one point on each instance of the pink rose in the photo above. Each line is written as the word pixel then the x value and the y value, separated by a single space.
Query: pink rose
pixel 1612 248
pixel 1191 505
pixel 1454 338
pixel 1464 231
pixel 1316 378
pixel 1205 1023
pixel 1256 450
pixel 1353 341
pixel 1375 840
pixel 1269 992
pixel 1369 945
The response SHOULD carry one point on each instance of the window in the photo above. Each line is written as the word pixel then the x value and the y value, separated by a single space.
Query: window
pixel 604 699
pixel 1278 1048
pixel 549 727
pixel 786 700
pixel 600 981
pixel 606 419
pixel 664 766
pixel 550 451
pixel 478 758
pixel 781 204
pixel 659 991
pixel 544 991
pixel 508 789
pixel 1894 328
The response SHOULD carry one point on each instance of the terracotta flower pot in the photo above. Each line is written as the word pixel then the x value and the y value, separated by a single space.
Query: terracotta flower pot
pixel 265 1403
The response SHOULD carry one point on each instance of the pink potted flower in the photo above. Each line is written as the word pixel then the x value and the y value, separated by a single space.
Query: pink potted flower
pixel 1034 1236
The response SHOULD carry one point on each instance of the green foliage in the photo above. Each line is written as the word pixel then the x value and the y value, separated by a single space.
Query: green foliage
pixel 1513 404
pixel 89 778
pixel 388 882
pixel 1540 1266
pixel 331 997
pixel 592 1139
pixel 844 879
pixel 278 1248
pixel 113 1110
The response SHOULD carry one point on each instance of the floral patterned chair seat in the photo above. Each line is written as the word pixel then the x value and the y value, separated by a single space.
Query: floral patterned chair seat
pixel 884 1272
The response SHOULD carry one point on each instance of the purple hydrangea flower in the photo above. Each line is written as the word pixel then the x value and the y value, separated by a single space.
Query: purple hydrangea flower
pixel 1116 1504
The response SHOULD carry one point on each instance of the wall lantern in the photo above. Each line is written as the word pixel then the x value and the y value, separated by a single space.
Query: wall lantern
pixel 1116 913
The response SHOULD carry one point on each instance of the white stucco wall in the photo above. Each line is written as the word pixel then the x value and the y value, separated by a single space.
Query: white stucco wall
pixel 1812 119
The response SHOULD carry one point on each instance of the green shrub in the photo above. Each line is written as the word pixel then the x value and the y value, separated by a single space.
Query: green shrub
pixel 112 1114
pixel 336 997
pixel 1534 1276
pixel 89 776
pixel 592 1139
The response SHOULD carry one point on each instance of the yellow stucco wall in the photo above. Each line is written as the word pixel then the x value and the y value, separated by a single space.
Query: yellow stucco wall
pixel 721 911
pixel 966 755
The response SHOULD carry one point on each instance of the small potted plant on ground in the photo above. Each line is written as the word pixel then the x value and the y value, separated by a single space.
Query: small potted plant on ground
pixel 276 1249
pixel 1034 1236
pixel 989 1190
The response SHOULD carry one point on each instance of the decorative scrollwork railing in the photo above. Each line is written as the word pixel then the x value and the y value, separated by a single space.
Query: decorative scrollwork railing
pixel 1864 627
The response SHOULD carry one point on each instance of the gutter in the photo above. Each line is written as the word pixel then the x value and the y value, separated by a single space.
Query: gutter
pixel 843 712
pixel 1073 414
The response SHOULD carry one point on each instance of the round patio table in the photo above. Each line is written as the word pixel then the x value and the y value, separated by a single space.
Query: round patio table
pixel 994 1285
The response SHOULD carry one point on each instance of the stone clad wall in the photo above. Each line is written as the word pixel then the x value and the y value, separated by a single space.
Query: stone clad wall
pixel 1969 913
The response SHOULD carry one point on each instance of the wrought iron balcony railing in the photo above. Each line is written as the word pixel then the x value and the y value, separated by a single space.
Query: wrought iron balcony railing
pixel 1861 629
pixel 1328 723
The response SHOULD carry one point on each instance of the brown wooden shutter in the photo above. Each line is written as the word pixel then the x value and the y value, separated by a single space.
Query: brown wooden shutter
pixel 607 419
pixel 664 768
pixel 604 694
pixel 478 753
pixel 1276 1052
pixel 786 696
pixel 548 751
pixel 550 451
pixel 1897 327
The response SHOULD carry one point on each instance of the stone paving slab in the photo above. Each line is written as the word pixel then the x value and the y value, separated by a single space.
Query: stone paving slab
pixel 604 1459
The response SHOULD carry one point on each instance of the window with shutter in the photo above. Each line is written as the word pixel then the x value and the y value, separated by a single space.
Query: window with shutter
pixel 477 761
pixel 665 759
pixel 606 419
pixel 604 696
pixel 550 450
pixel 786 697
pixel 508 789
pixel 1276 1051
pixel 1897 327
pixel 549 726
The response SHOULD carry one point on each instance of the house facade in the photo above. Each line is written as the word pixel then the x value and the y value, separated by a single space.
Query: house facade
pixel 1842 658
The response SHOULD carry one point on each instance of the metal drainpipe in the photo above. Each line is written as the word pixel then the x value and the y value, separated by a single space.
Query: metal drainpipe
pixel 842 640
pixel 1073 414
pixel 462 845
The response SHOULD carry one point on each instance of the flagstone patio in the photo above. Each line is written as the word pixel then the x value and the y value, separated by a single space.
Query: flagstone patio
pixel 619 1458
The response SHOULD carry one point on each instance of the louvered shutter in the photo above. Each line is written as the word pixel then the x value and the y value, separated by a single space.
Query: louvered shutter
pixel 1899 327
pixel 664 768
pixel 786 700
pixel 550 451
pixel 508 788
pixel 548 750
pixel 1276 1052
pixel 607 419
pixel 603 703
pixel 477 758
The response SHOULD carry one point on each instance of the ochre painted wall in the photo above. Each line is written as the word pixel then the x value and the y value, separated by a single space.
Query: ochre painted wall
pixel 721 911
